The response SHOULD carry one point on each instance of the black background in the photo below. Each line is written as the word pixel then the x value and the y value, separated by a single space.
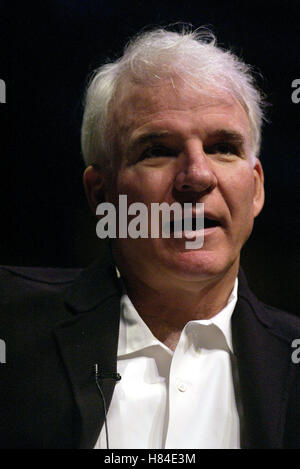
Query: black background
pixel 47 51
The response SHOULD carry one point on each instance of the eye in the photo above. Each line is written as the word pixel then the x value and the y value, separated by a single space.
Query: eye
pixel 157 151
pixel 225 148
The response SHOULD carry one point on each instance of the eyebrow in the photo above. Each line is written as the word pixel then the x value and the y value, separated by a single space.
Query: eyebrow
pixel 147 138
pixel 229 135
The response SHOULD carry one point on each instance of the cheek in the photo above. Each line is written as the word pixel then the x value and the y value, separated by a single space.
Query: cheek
pixel 239 194
pixel 144 184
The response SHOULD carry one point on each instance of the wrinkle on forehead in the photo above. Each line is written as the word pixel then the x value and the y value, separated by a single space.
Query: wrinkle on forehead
pixel 165 96
pixel 135 104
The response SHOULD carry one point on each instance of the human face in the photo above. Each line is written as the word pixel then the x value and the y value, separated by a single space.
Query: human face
pixel 178 145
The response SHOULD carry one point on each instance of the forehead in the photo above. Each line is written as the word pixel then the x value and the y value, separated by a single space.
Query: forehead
pixel 176 107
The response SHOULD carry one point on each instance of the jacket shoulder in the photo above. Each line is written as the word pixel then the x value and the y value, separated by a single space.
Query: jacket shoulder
pixel 283 324
pixel 42 275
pixel 34 292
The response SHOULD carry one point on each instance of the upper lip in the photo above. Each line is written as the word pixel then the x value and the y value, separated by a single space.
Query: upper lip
pixel 207 216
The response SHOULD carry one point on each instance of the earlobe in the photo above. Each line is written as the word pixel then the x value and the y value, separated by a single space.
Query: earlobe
pixel 259 191
pixel 94 182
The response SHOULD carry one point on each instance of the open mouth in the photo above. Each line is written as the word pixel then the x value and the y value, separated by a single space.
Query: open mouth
pixel 193 223
pixel 209 223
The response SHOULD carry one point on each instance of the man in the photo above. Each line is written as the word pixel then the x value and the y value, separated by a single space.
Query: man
pixel 203 364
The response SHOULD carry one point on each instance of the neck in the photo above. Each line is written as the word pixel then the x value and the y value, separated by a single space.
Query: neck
pixel 166 308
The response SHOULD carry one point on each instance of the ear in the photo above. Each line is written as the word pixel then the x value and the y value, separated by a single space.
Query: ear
pixel 259 191
pixel 94 184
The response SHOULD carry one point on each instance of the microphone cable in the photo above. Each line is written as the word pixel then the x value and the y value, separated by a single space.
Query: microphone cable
pixel 98 377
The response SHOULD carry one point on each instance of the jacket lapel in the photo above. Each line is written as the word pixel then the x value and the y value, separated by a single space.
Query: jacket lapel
pixel 90 338
pixel 262 358
pixel 264 372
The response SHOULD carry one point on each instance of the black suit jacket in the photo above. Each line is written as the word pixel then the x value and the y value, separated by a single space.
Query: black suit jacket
pixel 58 323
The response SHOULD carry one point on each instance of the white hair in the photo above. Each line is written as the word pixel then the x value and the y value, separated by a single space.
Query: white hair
pixel 152 56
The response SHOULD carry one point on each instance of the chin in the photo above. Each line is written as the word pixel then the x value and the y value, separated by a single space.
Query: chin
pixel 200 264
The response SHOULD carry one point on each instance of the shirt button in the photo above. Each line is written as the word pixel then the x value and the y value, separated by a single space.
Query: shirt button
pixel 181 387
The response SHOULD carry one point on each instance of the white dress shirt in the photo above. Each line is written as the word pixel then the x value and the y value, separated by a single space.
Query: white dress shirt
pixel 182 399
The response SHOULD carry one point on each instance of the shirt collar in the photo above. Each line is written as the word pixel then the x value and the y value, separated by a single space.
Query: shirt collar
pixel 223 319
pixel 135 334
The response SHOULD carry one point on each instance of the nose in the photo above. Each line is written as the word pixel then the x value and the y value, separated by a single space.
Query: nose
pixel 195 173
